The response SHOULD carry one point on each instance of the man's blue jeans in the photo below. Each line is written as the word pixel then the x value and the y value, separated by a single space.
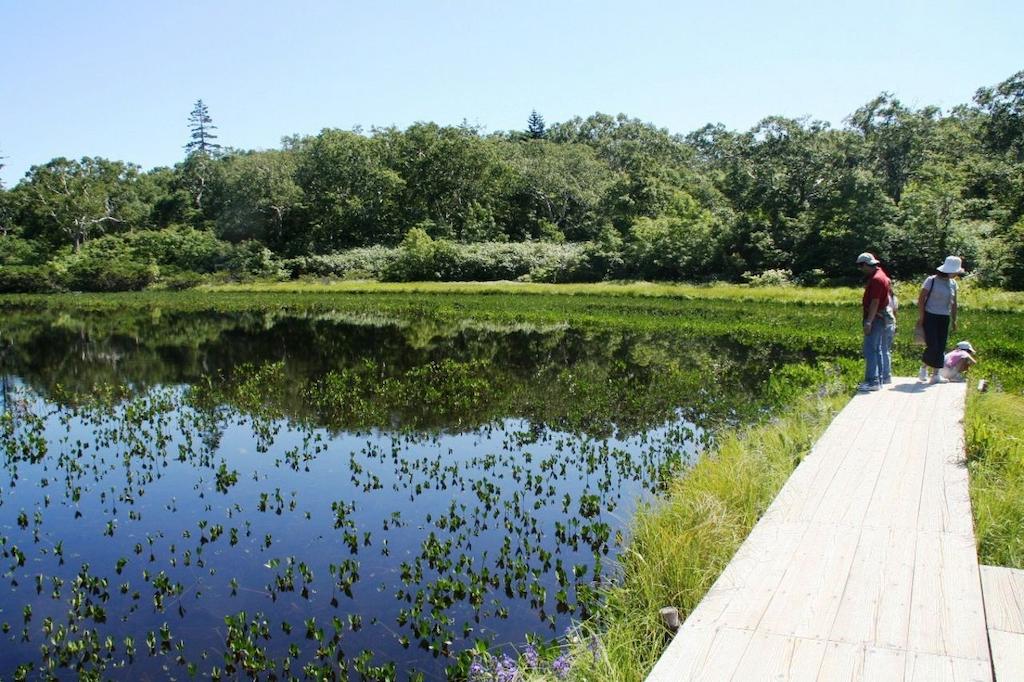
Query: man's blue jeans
pixel 873 353
pixel 888 334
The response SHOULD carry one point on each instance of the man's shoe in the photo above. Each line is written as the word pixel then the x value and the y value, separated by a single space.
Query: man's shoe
pixel 867 387
pixel 923 374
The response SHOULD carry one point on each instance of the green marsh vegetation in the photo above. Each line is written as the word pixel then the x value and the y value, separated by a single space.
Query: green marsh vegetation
pixel 791 319
pixel 995 456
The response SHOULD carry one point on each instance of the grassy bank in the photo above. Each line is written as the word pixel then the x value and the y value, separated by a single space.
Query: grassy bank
pixel 995 454
pixel 680 546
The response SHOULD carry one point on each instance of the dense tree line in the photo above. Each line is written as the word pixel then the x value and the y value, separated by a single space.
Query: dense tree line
pixel 589 198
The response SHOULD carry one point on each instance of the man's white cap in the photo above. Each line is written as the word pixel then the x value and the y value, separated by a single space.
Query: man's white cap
pixel 867 259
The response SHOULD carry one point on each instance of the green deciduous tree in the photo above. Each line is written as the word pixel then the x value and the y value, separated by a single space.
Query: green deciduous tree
pixel 772 175
pixel 897 139
pixel 351 196
pixel 679 244
pixel 1003 105
pixel 8 211
pixel 451 177
pixel 259 199
pixel 932 220
pixel 197 177
pixel 561 185
pixel 652 164
pixel 69 202
pixel 1005 258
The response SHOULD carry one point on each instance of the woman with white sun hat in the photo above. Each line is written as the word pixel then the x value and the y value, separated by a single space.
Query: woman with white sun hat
pixel 936 314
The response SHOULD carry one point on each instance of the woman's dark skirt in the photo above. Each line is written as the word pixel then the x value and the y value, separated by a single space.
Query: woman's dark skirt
pixel 936 333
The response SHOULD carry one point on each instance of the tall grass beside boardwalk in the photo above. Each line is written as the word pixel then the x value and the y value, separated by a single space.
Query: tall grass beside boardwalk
pixel 681 545
pixel 995 454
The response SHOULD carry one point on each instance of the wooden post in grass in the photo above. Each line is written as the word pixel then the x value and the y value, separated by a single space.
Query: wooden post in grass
pixel 670 618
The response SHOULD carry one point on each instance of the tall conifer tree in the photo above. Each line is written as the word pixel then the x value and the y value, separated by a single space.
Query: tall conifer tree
pixel 535 126
pixel 201 125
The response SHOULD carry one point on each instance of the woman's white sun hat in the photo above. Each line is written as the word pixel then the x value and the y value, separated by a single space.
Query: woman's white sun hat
pixel 952 266
pixel 966 345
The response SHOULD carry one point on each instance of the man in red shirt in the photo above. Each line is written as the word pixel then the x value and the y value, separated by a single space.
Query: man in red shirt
pixel 874 303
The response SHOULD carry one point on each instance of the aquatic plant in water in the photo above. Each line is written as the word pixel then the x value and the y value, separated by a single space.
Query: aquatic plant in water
pixel 201 528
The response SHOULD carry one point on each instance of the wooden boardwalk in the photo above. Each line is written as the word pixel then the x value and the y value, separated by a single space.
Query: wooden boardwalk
pixel 1004 608
pixel 863 568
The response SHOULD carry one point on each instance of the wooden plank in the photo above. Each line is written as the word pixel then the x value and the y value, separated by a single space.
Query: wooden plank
pixel 884 664
pixel 702 654
pixel 1003 590
pixel 855 485
pixel 788 504
pixel 923 667
pixel 928 668
pixel 778 657
pixel 955 489
pixel 807 599
pixel 897 497
pixel 947 616
pixel 945 501
pixel 875 607
pixel 842 663
pixel 742 593
pixel 969 670
pixel 928 608
pixel 832 451
pixel 684 656
pixel 1007 655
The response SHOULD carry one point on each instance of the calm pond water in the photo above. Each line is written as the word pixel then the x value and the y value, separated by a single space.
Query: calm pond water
pixel 235 494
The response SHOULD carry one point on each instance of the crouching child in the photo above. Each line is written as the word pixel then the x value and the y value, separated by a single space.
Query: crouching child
pixel 958 361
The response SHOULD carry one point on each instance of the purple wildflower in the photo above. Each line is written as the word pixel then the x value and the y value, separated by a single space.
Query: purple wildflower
pixel 560 666
pixel 477 672
pixel 505 670
pixel 530 656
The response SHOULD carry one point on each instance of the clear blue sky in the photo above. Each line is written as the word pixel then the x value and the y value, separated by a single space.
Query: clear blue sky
pixel 117 79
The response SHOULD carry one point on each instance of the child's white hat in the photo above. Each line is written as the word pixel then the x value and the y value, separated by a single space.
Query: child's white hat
pixel 966 345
